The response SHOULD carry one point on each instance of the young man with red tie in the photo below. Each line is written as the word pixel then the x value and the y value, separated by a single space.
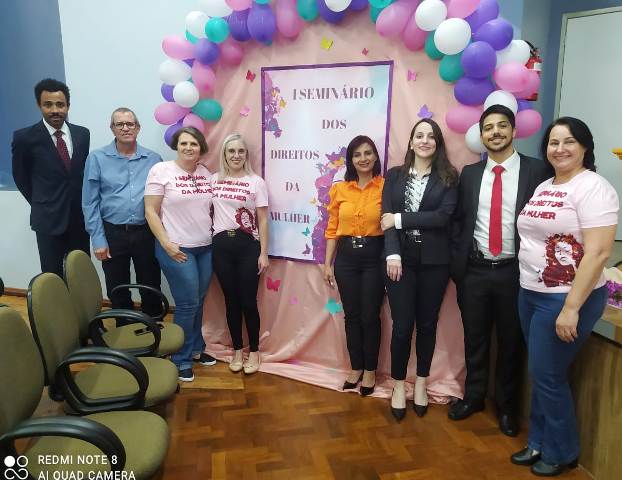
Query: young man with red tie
pixel 485 266
pixel 48 164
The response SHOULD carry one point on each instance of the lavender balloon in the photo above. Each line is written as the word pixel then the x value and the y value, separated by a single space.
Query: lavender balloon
pixel 167 92
pixel 479 60
pixel 170 131
pixel 261 23
pixel 238 26
pixel 524 105
pixel 487 10
pixel 473 91
pixel 327 14
pixel 358 5
pixel 206 52
pixel 497 32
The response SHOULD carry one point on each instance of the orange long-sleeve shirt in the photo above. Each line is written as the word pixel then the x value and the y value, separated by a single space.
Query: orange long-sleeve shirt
pixel 355 211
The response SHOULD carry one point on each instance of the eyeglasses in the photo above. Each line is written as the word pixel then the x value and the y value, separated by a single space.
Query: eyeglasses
pixel 129 125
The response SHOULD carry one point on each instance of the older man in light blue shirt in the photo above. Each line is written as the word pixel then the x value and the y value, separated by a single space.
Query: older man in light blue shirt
pixel 114 211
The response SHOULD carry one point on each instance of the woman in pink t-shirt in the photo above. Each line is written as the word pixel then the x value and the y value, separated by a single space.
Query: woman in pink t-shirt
pixel 240 200
pixel 567 231
pixel 178 199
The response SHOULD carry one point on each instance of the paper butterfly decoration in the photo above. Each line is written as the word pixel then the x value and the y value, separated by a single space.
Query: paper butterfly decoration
pixel 282 103
pixel 306 232
pixel 273 284
pixel 307 250
pixel 425 113
pixel 364 51
pixel 313 201
pixel 411 76
pixel 327 43
pixel 250 76
pixel 333 306
pixel 245 111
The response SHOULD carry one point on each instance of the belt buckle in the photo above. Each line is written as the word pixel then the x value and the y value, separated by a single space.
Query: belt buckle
pixel 231 233
pixel 357 242
pixel 417 238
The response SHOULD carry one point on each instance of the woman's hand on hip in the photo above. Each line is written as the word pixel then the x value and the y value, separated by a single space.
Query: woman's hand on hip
pixel 566 325
pixel 394 270
pixel 329 276
pixel 262 263
pixel 387 221
pixel 173 251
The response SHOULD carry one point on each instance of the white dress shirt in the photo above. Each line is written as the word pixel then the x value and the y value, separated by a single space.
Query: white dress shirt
pixel 66 136
pixel 509 180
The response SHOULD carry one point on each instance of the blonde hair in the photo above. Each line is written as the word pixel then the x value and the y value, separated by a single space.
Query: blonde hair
pixel 224 170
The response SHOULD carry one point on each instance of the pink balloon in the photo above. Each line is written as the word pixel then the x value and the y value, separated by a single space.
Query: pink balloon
pixel 393 19
pixel 413 36
pixel 169 113
pixel 461 117
pixel 231 52
pixel 288 22
pixel 177 47
pixel 461 8
pixel 533 85
pixel 203 76
pixel 238 5
pixel 528 122
pixel 512 77
pixel 192 120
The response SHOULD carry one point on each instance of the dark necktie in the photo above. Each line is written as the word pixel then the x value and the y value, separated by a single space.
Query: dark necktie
pixel 496 201
pixel 61 146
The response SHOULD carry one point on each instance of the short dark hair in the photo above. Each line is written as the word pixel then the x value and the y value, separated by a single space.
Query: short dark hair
pixel 582 134
pixel 194 132
pixel 501 110
pixel 351 173
pixel 50 85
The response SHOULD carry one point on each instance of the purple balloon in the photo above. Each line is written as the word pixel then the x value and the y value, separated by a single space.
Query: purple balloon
pixel 497 32
pixel 486 11
pixel 524 105
pixel 327 14
pixel 473 91
pixel 237 25
pixel 261 23
pixel 189 61
pixel 206 52
pixel 358 5
pixel 167 92
pixel 479 60
pixel 170 131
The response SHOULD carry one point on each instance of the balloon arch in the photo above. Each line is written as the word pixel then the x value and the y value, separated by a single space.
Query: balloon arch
pixel 474 46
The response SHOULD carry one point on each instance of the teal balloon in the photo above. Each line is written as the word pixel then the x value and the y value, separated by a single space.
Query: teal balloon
pixel 262 2
pixel 217 29
pixel 374 12
pixel 430 48
pixel 380 3
pixel 307 9
pixel 191 38
pixel 208 109
pixel 450 69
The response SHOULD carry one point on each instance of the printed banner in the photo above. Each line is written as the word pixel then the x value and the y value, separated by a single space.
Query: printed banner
pixel 310 114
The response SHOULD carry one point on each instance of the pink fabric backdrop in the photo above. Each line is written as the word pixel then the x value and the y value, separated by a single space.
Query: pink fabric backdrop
pixel 300 339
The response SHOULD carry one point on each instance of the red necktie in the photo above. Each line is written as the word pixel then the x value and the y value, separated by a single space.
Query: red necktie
pixel 496 200
pixel 61 146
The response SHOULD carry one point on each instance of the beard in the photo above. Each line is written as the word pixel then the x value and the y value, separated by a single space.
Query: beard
pixel 500 147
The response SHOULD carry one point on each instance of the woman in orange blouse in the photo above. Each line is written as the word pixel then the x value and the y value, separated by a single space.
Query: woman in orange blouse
pixel 354 233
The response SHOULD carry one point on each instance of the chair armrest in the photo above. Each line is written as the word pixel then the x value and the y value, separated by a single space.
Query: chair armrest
pixel 85 429
pixel 97 330
pixel 66 385
pixel 146 288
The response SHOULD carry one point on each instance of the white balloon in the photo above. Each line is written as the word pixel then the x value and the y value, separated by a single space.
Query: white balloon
pixel 174 71
pixel 215 8
pixel 338 5
pixel 186 94
pixel 195 23
pixel 473 139
pixel 501 97
pixel 516 51
pixel 452 36
pixel 430 14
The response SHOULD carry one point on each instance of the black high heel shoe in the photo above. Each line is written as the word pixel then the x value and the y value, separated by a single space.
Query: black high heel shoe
pixel 366 391
pixel 398 413
pixel 349 385
pixel 420 410
pixel 542 469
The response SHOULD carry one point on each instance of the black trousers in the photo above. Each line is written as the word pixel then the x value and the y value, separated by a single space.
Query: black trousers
pixel 235 258
pixel 488 295
pixel 358 272
pixel 135 244
pixel 415 300
pixel 53 248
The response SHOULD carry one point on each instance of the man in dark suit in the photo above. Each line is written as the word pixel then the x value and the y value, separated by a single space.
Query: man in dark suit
pixel 48 164
pixel 485 266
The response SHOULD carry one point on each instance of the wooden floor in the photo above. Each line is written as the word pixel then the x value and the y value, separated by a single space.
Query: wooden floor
pixel 267 427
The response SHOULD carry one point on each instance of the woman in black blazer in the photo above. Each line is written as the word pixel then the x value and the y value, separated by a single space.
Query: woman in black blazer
pixel 418 202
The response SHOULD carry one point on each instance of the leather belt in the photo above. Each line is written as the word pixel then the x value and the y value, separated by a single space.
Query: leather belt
pixel 360 242
pixel 484 262
pixel 127 226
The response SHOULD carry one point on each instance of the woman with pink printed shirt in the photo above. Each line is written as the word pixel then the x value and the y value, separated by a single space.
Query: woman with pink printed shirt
pixel 567 231
pixel 240 200
pixel 178 199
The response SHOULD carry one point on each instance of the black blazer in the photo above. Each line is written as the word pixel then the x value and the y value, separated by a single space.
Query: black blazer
pixel 433 219
pixel 531 174
pixel 54 194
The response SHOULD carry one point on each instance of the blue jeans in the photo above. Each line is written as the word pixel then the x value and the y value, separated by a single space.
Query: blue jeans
pixel 189 282
pixel 552 423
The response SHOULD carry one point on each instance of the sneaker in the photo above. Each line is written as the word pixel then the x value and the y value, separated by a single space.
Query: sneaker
pixel 206 360
pixel 186 375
